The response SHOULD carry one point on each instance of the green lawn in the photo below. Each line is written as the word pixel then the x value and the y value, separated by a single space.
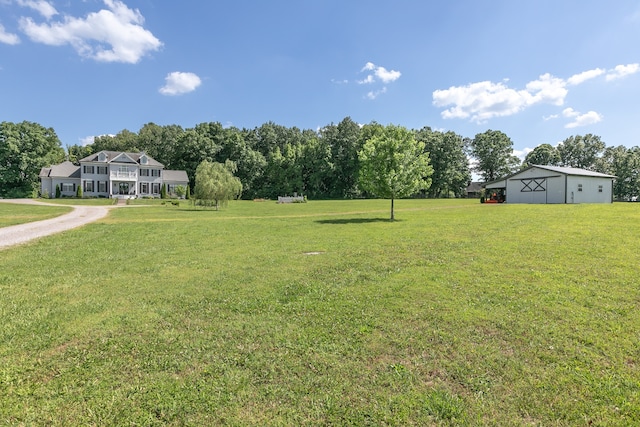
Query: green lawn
pixel 81 202
pixel 326 313
pixel 12 214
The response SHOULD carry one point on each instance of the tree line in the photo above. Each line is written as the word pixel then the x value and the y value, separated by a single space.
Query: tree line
pixel 273 160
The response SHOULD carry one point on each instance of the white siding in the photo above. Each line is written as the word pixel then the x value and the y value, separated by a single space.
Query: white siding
pixel 556 189
pixel 590 189
pixel 539 185
pixel 536 186
pixel 60 181
pixel 45 186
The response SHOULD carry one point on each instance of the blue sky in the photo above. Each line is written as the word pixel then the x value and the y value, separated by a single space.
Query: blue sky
pixel 540 71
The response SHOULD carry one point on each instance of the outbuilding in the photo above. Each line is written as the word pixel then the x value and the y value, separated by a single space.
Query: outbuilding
pixel 552 184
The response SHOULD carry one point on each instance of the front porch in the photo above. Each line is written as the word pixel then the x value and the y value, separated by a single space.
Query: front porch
pixel 123 190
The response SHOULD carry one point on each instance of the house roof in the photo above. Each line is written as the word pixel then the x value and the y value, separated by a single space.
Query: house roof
pixel 175 176
pixel 113 155
pixel 474 187
pixel 63 170
pixel 44 172
pixel 556 169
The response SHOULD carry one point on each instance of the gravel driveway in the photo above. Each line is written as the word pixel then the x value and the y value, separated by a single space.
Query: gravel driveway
pixel 79 216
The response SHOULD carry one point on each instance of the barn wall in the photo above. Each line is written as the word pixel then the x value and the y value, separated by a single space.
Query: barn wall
pixel 591 187
pixel 536 186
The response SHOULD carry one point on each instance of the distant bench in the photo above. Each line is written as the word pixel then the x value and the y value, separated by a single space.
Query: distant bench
pixel 290 199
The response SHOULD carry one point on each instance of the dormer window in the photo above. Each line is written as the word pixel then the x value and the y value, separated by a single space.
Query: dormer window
pixel 144 160
pixel 102 157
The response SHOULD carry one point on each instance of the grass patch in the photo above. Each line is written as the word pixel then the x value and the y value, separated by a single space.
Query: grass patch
pixel 151 202
pixel 455 314
pixel 14 213
pixel 81 202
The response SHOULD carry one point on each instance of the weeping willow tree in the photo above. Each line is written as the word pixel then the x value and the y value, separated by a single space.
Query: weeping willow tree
pixel 216 184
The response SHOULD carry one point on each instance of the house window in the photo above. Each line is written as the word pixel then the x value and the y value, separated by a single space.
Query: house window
pixel 144 172
pixel 123 168
pixel 599 188
pixel 155 188
pixel 155 172
pixel 88 169
pixel 579 187
pixel 102 186
pixel 144 188
pixel 88 186
pixel 68 187
pixel 102 170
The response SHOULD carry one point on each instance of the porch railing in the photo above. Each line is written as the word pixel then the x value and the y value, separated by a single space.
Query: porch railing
pixel 124 175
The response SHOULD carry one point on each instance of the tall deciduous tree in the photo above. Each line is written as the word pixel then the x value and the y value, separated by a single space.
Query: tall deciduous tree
pixel 493 151
pixel 283 175
pixel 250 162
pixel 125 140
pixel 193 147
pixel 77 152
pixel 393 164
pixel 160 142
pixel 316 168
pixel 216 184
pixel 543 154
pixel 581 151
pixel 624 163
pixel 25 148
pixel 447 156
pixel 344 142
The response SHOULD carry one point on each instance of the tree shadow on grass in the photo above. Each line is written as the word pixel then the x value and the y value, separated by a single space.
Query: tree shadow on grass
pixel 355 220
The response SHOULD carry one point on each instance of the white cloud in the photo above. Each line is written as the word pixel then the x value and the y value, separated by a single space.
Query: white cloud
pixel 579 78
pixel 621 71
pixel 178 83
pixel 368 80
pixel 43 7
pixel 374 94
pixel 87 140
pixel 368 67
pixel 547 89
pixel 379 73
pixel 115 34
pixel 484 100
pixel 580 119
pixel 521 154
pixel 8 38
pixel 570 112
pixel 387 76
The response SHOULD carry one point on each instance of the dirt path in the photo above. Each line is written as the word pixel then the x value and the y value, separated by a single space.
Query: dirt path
pixel 21 233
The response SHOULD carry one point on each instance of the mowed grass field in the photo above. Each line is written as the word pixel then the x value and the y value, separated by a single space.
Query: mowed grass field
pixel 326 313
pixel 13 214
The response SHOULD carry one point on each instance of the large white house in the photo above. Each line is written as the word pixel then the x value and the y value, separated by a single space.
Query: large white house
pixel 552 184
pixel 112 174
